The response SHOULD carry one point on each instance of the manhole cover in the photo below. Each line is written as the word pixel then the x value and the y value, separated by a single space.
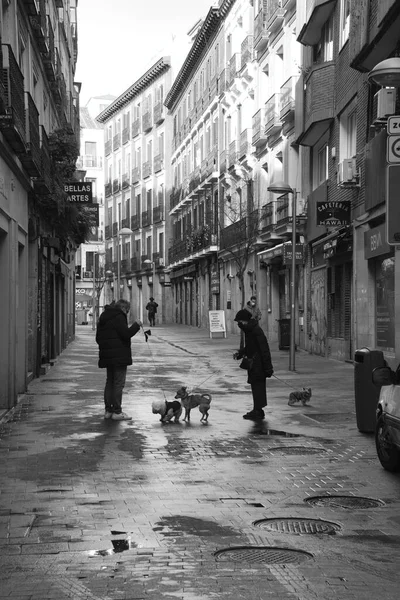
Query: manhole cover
pixel 298 526
pixel 297 450
pixel 344 501
pixel 262 554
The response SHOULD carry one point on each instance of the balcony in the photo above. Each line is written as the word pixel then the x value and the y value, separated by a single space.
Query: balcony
pixel 317 14
pixel 259 138
pixel 232 154
pixel 125 182
pixel 233 234
pixel 42 184
pixel 135 128
pixel 116 186
pixel 38 23
pixel 136 174
pixel 247 51
pixel 147 121
pixel 31 7
pixel 158 214
pixel 135 222
pixel 125 222
pixel 267 218
pixel 275 15
pixel 32 158
pixel 245 143
pixel 108 189
pixel 273 122
pixel 234 67
pixel 175 197
pixel 12 124
pixel 147 169
pixel 287 99
pixel 116 141
pixel 261 35
pixel 158 163
pixel 146 218
pixel 318 103
pixel 107 232
pixel 108 147
pixel 158 113
pixel 222 161
pixel 223 81
pixel 125 135
pixel 89 161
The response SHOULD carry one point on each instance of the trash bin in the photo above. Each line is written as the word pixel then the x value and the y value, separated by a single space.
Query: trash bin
pixel 284 334
pixel 365 392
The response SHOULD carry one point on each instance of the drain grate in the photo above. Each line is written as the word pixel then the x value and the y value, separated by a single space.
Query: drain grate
pixel 297 450
pixel 344 501
pixel 298 526
pixel 271 555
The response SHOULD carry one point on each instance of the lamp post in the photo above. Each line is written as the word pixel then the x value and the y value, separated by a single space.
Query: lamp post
pixel 94 307
pixel 125 231
pixel 151 262
pixel 281 187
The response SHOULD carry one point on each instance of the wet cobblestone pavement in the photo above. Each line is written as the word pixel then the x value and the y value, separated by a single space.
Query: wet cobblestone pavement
pixel 103 510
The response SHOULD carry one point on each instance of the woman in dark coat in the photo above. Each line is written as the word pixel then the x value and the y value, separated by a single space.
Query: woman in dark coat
pixel 114 339
pixel 256 348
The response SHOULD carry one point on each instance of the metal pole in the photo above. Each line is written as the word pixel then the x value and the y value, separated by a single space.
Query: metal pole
pixel 116 296
pixel 292 352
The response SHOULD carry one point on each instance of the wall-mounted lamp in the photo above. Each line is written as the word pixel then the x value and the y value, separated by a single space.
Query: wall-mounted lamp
pixel 229 276
pixel 250 272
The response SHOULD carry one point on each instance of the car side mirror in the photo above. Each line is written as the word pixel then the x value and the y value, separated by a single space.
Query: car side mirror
pixel 383 376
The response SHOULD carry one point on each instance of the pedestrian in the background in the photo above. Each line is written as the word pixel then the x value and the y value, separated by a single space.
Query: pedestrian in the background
pixel 114 339
pixel 258 362
pixel 253 309
pixel 151 308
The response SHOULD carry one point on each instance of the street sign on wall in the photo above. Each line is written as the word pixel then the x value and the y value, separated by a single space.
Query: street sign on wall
pixel 79 191
pixel 393 149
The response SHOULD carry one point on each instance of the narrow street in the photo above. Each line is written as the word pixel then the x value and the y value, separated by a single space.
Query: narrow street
pixel 295 508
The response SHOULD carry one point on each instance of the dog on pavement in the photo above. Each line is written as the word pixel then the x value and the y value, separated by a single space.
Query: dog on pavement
pixel 190 401
pixel 167 410
pixel 302 396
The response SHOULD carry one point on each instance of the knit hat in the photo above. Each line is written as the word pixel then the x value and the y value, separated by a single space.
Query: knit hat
pixel 243 315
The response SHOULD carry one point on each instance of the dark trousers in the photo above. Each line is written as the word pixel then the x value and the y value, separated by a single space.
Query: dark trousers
pixel 152 318
pixel 114 387
pixel 259 391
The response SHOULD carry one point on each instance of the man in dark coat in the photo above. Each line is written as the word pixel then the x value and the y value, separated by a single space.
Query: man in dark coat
pixel 114 339
pixel 256 348
pixel 151 308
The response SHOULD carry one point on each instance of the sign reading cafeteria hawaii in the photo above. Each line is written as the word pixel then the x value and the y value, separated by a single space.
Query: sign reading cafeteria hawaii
pixel 333 213
pixel 79 191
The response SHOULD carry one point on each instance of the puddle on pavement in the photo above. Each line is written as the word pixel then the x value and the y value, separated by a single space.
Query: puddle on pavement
pixel 118 546
pixel 265 431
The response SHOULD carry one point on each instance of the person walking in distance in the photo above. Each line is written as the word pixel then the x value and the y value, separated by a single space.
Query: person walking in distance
pixel 256 357
pixel 253 309
pixel 151 308
pixel 114 339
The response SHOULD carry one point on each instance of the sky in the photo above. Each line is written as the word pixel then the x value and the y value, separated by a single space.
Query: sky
pixel 118 40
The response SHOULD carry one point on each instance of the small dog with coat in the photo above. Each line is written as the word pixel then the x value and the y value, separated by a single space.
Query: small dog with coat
pixel 190 401
pixel 302 396
pixel 167 410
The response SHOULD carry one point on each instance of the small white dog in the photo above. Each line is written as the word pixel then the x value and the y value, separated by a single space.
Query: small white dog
pixel 167 410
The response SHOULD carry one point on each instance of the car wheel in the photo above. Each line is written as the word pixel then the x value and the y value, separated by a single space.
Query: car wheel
pixel 388 453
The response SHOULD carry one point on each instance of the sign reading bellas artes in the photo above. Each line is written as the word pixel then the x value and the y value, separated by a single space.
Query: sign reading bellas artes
pixel 79 191
pixel 333 214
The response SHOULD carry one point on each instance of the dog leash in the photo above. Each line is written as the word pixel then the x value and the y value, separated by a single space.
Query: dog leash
pixel 279 379
pixel 146 337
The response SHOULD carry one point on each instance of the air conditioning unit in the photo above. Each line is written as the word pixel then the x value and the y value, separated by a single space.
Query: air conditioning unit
pixel 384 104
pixel 347 172
pixel 87 274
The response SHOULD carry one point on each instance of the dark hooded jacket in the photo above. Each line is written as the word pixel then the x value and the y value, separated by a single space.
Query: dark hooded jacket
pixel 256 346
pixel 114 338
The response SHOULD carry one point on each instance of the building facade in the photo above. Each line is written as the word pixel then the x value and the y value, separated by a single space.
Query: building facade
pixel 136 155
pixel 39 140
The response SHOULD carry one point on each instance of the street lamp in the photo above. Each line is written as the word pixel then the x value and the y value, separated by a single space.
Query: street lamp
pixel 125 231
pixel 151 262
pixel 281 187
pixel 94 307
pixel 386 73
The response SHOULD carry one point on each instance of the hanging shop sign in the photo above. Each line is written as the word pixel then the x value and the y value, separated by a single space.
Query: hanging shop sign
pixel 333 213
pixel 79 191
pixel 215 281
pixel 93 211
pixel 287 253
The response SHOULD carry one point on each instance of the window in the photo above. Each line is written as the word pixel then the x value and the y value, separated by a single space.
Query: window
pixel 323 51
pixel 348 131
pixel 322 164
pixel 344 22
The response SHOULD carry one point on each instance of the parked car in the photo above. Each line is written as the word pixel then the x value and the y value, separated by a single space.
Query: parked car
pixel 387 431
